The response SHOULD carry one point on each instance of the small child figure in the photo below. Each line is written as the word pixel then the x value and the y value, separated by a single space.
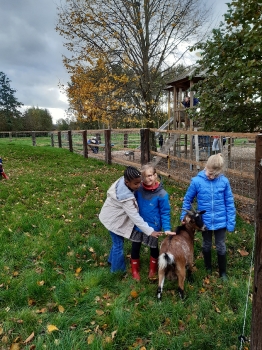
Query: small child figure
pixel 154 208
pixel 214 195
pixel 2 172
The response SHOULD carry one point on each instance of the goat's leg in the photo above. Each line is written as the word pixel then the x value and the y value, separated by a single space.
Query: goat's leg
pixel 181 275
pixel 161 280
pixel 190 273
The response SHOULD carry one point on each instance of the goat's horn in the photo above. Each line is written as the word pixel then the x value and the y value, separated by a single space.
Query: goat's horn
pixel 188 211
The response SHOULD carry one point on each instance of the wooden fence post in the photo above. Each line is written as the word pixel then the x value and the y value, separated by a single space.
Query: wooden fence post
pixel 256 327
pixel 52 140
pixel 33 138
pixel 125 140
pixel 59 139
pixel 70 142
pixel 145 146
pixel 108 154
pixel 85 149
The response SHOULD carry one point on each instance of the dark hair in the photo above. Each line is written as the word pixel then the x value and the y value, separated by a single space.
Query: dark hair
pixel 131 173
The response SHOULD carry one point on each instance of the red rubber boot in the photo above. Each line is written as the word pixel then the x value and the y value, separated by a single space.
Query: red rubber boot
pixel 135 265
pixel 152 267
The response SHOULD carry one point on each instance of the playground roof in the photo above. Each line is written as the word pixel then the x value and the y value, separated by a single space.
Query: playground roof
pixel 183 80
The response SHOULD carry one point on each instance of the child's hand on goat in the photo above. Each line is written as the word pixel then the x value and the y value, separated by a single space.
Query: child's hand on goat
pixel 156 234
pixel 170 233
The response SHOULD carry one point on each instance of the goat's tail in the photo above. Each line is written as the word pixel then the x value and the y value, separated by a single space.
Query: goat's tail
pixel 164 260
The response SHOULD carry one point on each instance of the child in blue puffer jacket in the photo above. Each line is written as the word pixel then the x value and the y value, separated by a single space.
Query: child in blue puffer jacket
pixel 214 195
pixel 154 208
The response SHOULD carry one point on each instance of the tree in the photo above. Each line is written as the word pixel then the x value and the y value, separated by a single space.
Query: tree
pixel 230 94
pixel 8 104
pixel 37 119
pixel 141 38
pixel 97 92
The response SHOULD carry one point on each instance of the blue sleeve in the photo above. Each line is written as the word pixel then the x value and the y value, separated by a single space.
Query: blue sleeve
pixel 165 209
pixel 230 208
pixel 195 102
pixel 189 198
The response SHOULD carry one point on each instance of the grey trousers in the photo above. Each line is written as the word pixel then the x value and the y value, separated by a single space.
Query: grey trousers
pixel 220 236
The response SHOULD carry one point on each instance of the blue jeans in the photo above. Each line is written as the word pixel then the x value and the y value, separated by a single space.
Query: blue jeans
pixel 116 256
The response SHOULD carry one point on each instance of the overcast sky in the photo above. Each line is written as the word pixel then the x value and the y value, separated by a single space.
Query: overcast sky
pixel 31 51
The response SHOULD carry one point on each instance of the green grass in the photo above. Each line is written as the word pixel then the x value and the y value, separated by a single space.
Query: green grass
pixel 53 267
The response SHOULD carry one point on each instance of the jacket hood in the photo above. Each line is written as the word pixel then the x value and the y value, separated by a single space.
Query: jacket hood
pixel 202 174
pixel 120 191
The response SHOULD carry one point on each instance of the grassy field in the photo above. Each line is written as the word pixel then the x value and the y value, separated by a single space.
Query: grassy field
pixel 56 291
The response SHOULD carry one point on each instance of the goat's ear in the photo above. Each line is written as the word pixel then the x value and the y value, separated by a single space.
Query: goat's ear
pixel 202 212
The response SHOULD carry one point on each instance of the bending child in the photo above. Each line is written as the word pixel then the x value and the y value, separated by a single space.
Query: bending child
pixel 154 208
pixel 214 195
pixel 119 214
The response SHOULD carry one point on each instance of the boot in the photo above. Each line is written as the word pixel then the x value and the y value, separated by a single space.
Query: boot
pixel 222 263
pixel 4 175
pixel 152 267
pixel 207 261
pixel 135 265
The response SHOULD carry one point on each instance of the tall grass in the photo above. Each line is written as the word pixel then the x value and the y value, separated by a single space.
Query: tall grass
pixel 55 283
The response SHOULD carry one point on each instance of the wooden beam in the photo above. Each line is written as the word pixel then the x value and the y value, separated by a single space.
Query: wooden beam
pixel 256 325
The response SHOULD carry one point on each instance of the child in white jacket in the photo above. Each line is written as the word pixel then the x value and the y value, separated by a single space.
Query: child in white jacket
pixel 119 214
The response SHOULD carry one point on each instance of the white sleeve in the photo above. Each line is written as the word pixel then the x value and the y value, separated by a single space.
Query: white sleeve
pixel 130 208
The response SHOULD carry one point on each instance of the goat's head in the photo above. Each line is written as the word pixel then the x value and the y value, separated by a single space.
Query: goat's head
pixel 195 217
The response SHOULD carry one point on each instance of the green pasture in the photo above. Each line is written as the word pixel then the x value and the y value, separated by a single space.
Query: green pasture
pixel 56 290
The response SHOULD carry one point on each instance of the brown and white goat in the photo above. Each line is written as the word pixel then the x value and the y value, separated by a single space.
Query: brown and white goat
pixel 177 252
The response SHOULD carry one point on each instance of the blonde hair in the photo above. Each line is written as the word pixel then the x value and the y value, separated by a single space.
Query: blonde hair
pixel 215 164
pixel 146 167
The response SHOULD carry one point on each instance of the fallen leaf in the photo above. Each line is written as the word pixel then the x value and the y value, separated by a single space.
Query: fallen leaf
pixel 217 310
pixel 5 339
pixel 51 328
pixel 167 321
pixel 31 302
pixel 243 252
pixel 206 280
pixel 15 346
pixel 61 309
pixel 40 283
pixel 113 334
pixel 41 311
pixel 78 270
pixel 134 294
pixel 90 339
pixel 181 325
pixel 31 336
pixel 99 312
pixel 138 342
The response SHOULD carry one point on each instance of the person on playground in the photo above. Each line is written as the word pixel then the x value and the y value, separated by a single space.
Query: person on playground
pixel 119 214
pixel 154 208
pixel 214 195
pixel 186 101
